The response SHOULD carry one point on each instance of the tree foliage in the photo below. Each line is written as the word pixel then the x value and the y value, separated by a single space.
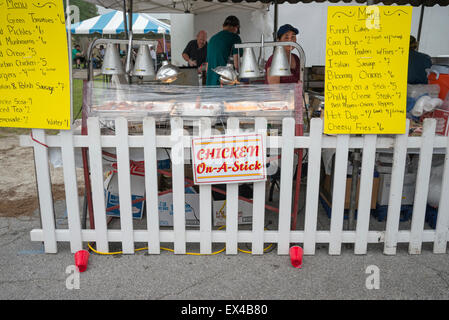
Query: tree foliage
pixel 87 9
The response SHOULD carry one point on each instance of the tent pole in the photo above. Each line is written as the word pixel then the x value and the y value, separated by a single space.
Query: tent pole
pixel 130 15
pixel 420 25
pixel 275 25
pixel 165 46
pixel 125 24
pixel 130 23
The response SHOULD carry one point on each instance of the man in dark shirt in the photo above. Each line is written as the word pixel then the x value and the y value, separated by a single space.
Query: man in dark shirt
pixel 195 52
pixel 417 64
pixel 221 47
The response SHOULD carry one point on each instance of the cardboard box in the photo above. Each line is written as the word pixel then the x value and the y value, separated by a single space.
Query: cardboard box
pixel 112 195
pixel 192 209
pixel 245 212
pixel 408 189
pixel 328 191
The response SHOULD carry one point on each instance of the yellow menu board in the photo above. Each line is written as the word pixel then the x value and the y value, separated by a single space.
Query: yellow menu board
pixel 366 69
pixel 34 69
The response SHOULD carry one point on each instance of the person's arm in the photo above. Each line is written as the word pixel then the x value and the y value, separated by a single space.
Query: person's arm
pixel 236 61
pixel 191 63
pixel 235 52
pixel 186 55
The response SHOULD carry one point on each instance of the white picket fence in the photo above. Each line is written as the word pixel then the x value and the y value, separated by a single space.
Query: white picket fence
pixel 232 236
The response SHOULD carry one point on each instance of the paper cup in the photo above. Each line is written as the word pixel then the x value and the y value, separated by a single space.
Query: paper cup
pixel 81 259
pixel 296 253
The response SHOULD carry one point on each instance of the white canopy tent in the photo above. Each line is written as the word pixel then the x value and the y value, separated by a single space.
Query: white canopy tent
pixel 180 6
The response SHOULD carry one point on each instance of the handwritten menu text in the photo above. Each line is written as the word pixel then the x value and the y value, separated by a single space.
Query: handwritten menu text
pixel 34 70
pixel 366 69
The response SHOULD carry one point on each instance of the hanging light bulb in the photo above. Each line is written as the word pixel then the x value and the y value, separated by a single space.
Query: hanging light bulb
pixel 144 64
pixel 280 66
pixel 249 67
pixel 168 72
pixel 227 74
pixel 111 62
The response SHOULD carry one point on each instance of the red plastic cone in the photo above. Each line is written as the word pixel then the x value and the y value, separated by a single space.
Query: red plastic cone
pixel 81 258
pixel 296 253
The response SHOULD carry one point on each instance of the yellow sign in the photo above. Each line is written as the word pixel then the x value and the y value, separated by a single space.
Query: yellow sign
pixel 366 69
pixel 34 70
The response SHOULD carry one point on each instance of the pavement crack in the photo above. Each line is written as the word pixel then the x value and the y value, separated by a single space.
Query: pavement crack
pixel 7 243
pixel 442 275
pixel 28 280
pixel 186 288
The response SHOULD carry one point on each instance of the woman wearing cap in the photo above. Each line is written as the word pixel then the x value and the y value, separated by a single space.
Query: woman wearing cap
pixel 285 33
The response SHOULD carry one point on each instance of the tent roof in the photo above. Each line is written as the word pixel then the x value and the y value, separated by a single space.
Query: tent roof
pixel 415 3
pixel 202 6
pixel 112 23
pixel 181 6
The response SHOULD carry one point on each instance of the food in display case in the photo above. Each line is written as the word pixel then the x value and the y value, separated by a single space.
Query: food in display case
pixel 244 106
pixel 162 101
pixel 277 105
pixel 253 106
pixel 198 109
pixel 162 107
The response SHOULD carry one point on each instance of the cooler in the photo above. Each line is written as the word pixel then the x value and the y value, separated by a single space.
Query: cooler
pixel 439 74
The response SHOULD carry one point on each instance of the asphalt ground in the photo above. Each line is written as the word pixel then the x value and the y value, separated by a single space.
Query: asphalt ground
pixel 27 273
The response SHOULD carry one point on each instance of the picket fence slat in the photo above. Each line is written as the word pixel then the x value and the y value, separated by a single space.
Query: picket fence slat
pixel 71 190
pixel 205 200
pixel 313 185
pixel 441 231
pixel 285 192
pixel 124 185
pixel 338 199
pixel 206 235
pixel 177 159
pixel 44 191
pixel 151 185
pixel 232 204
pixel 259 197
pixel 366 187
pixel 396 186
pixel 96 174
pixel 422 186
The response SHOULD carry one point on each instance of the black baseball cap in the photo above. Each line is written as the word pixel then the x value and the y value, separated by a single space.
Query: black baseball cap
pixel 285 28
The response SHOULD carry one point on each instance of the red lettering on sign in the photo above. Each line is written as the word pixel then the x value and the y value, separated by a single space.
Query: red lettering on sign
pixel 252 149
pixel 242 153
pixel 223 167
pixel 210 153
pixel 224 153
pixel 199 154
pixel 200 168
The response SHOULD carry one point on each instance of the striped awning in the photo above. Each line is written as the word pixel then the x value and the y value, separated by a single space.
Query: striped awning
pixel 112 23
